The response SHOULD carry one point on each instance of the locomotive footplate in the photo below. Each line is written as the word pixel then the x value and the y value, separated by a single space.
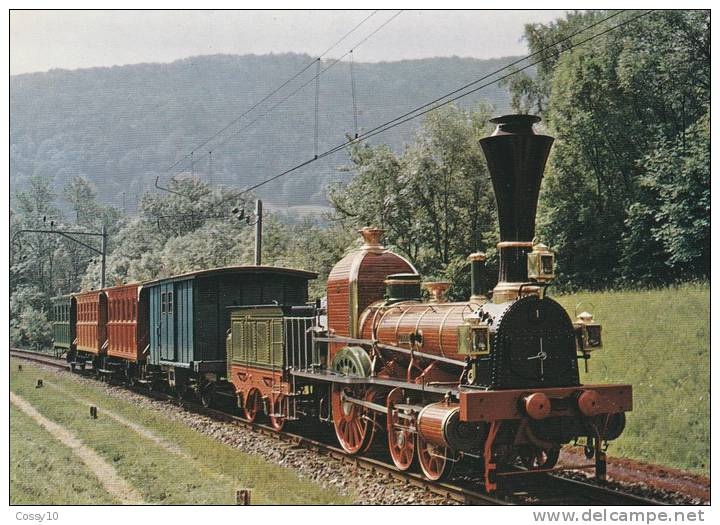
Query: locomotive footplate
pixel 331 377
pixel 494 405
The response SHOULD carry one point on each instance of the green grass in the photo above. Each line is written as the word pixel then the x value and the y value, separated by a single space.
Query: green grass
pixel 216 471
pixel 44 470
pixel 659 341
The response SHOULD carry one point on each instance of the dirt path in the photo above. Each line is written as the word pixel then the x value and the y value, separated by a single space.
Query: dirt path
pixel 143 432
pixel 139 429
pixel 105 473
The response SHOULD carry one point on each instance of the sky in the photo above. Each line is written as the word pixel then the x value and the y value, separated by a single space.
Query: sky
pixel 43 40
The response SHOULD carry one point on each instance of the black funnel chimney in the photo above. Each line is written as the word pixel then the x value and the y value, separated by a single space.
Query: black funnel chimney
pixel 516 159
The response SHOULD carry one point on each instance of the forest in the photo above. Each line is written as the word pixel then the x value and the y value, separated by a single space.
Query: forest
pixel 625 202
pixel 122 127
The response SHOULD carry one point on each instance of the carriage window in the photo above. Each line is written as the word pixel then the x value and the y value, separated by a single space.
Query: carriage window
pixel 162 302
pixel 170 302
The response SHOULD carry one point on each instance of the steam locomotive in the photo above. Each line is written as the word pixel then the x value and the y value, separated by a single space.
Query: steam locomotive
pixel 493 379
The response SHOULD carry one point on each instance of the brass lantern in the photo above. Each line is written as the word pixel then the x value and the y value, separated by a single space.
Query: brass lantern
pixel 541 264
pixel 588 332
pixel 473 338
pixel 474 342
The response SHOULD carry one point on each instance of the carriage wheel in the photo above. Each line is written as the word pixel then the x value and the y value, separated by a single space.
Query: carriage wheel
pixel 433 459
pixel 401 441
pixel 354 431
pixel 252 404
pixel 536 458
pixel 279 406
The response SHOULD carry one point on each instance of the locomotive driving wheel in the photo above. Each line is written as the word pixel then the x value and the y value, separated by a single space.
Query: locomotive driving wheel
pixel 279 412
pixel 252 405
pixel 354 423
pixel 401 440
pixel 435 461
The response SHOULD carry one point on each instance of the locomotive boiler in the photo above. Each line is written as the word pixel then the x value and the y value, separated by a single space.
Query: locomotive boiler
pixel 493 379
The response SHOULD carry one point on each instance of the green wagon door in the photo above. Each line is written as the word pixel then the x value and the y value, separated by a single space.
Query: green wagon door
pixel 167 322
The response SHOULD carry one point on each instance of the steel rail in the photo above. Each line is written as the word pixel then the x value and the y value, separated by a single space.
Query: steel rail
pixel 545 488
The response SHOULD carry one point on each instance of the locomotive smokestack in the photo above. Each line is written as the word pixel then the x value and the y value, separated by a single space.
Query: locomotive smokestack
pixel 516 159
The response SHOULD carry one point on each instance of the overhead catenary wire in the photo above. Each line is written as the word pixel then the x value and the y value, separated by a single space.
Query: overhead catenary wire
pixel 500 70
pixel 273 92
pixel 296 91
pixel 411 115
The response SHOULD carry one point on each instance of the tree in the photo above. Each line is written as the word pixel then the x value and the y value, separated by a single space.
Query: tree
pixel 611 105
pixel 190 227
pixel 435 200
pixel 677 179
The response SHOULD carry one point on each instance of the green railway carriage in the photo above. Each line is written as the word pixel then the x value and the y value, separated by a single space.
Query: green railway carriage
pixel 189 316
pixel 63 317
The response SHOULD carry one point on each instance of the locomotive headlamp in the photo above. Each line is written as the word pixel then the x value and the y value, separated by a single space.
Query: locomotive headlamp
pixel 541 264
pixel 474 338
pixel 588 332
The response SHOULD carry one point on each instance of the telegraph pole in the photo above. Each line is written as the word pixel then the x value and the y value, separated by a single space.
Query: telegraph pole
pixel 103 251
pixel 258 232
pixel 68 235
pixel 239 213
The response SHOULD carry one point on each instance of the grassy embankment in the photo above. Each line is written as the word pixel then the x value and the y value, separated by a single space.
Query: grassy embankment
pixel 43 471
pixel 659 341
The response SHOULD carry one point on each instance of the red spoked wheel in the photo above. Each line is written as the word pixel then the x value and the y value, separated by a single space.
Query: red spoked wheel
pixel 252 405
pixel 279 412
pixel 354 427
pixel 401 439
pixel 435 461
pixel 373 395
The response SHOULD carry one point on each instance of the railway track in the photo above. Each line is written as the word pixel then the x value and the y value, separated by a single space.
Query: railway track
pixel 540 489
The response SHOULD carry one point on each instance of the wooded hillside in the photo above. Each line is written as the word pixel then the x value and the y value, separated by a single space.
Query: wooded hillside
pixel 121 127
